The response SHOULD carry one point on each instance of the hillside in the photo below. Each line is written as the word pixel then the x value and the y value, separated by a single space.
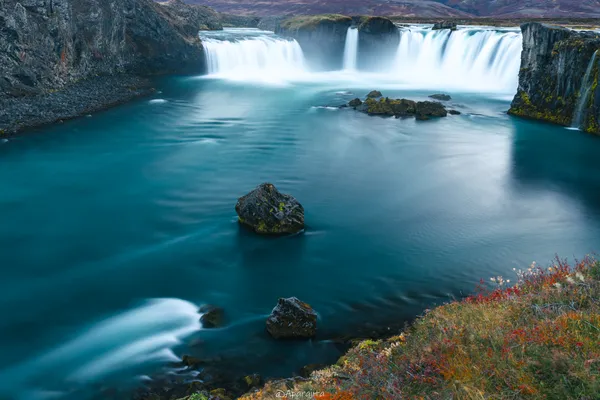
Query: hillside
pixel 418 8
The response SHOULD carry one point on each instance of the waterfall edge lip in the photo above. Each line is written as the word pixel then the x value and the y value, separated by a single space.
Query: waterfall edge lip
pixel 468 60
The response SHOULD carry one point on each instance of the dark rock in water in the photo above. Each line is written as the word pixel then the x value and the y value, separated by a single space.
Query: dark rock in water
pixel 554 64
pixel 212 316
pixel 440 96
pixel 355 103
pixel 190 361
pixel 389 107
pixel 444 25
pixel 269 212
pixel 428 109
pixel 292 319
pixel 310 368
pixel 454 112
pixel 374 94
pixel 252 381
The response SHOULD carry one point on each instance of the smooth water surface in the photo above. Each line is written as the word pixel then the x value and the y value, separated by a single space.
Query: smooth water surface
pixel 117 227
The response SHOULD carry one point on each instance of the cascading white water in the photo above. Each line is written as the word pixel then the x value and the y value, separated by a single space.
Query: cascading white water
pixel 584 93
pixel 472 59
pixel 351 49
pixel 249 54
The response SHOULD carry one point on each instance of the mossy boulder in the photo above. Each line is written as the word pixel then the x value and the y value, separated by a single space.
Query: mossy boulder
pixel 389 107
pixel 355 103
pixel 292 319
pixel 374 94
pixel 212 316
pixel 429 109
pixel 268 212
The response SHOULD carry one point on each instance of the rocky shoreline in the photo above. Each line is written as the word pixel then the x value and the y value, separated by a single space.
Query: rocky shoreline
pixel 79 99
pixel 94 54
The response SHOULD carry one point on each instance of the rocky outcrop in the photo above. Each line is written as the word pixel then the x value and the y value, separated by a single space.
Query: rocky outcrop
pixel 377 41
pixel 322 38
pixel 212 316
pixel 552 83
pixel 375 104
pixel 268 212
pixel 192 19
pixel 292 319
pixel 50 46
pixel 441 97
pixel 444 25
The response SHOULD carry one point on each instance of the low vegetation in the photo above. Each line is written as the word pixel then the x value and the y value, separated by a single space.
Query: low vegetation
pixel 538 339
pixel 313 21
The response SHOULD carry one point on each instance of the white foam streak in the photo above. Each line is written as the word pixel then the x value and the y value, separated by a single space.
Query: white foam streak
pixel 145 334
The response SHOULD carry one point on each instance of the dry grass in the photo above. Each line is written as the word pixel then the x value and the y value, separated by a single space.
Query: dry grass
pixel 539 339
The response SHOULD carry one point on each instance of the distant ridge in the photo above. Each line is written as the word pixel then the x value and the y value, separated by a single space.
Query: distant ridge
pixel 413 8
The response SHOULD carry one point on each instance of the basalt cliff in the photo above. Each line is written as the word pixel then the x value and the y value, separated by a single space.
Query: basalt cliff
pixel 63 58
pixel 323 37
pixel 558 79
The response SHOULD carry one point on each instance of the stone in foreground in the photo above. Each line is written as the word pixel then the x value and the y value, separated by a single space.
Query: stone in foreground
pixel 212 316
pixel 292 319
pixel 269 212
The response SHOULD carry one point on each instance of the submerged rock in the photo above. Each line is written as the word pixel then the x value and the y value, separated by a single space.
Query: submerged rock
pixel 269 212
pixel 292 319
pixel 441 96
pixel 454 112
pixel 212 316
pixel 444 25
pixel 374 94
pixel 428 109
pixel 355 103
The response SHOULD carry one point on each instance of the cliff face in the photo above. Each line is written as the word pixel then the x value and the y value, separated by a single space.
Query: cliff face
pixel 553 79
pixel 377 42
pixel 322 37
pixel 48 44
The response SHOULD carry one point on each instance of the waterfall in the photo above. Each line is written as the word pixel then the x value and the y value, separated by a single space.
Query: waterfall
pixel 472 59
pixel 584 93
pixel 246 54
pixel 351 49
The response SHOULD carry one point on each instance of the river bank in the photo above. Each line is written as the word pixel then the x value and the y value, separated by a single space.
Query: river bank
pixel 79 99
